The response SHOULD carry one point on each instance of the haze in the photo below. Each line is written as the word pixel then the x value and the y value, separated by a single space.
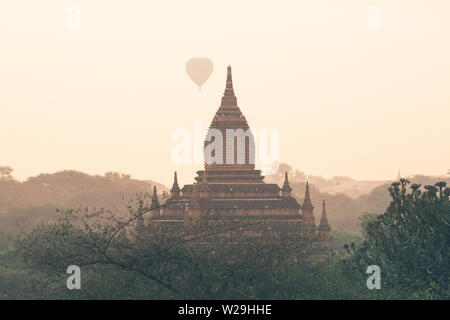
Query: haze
pixel 348 100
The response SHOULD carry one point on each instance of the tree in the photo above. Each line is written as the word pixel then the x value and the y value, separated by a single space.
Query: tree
pixel 6 173
pixel 410 240
pixel 213 261
pixel 365 219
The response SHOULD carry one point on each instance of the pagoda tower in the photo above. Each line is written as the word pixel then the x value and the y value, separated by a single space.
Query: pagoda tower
pixel 229 148
pixel 231 187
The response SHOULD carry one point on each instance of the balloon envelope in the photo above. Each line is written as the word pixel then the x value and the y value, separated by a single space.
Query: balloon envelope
pixel 199 70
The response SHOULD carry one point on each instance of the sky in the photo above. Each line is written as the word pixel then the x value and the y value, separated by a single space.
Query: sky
pixel 349 97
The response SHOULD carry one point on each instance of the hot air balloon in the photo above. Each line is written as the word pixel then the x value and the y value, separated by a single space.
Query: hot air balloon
pixel 199 70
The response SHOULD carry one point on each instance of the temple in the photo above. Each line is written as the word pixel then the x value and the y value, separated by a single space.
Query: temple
pixel 231 187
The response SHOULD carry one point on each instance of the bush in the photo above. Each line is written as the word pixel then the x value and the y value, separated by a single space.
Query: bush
pixel 410 241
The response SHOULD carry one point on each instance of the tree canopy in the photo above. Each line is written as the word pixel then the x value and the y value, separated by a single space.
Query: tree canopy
pixel 410 241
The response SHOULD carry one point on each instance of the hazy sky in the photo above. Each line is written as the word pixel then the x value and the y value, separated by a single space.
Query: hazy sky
pixel 348 100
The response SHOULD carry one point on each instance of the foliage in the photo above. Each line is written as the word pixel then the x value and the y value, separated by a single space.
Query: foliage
pixel 340 237
pixel 215 262
pixel 367 218
pixel 6 173
pixel 410 241
pixel 17 220
pixel 72 189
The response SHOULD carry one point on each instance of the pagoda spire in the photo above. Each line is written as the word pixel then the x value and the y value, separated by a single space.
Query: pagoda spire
pixel 155 210
pixel 229 99
pixel 286 185
pixel 286 190
pixel 155 195
pixel 229 91
pixel 324 229
pixel 324 220
pixel 175 181
pixel 155 202
pixel 175 191
pixel 307 204
pixel 308 209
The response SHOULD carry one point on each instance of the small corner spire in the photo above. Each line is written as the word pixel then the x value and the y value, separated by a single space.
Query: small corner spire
pixel 324 219
pixel 175 181
pixel 175 191
pixel 155 197
pixel 286 185
pixel 307 201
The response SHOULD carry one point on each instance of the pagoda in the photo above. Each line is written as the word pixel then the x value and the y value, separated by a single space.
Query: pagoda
pixel 231 187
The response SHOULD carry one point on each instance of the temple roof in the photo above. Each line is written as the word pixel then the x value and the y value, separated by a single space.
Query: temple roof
pixel 231 175
pixel 235 203
pixel 285 203
pixel 237 187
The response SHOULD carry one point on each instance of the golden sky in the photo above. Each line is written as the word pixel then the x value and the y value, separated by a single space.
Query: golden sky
pixel 347 99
